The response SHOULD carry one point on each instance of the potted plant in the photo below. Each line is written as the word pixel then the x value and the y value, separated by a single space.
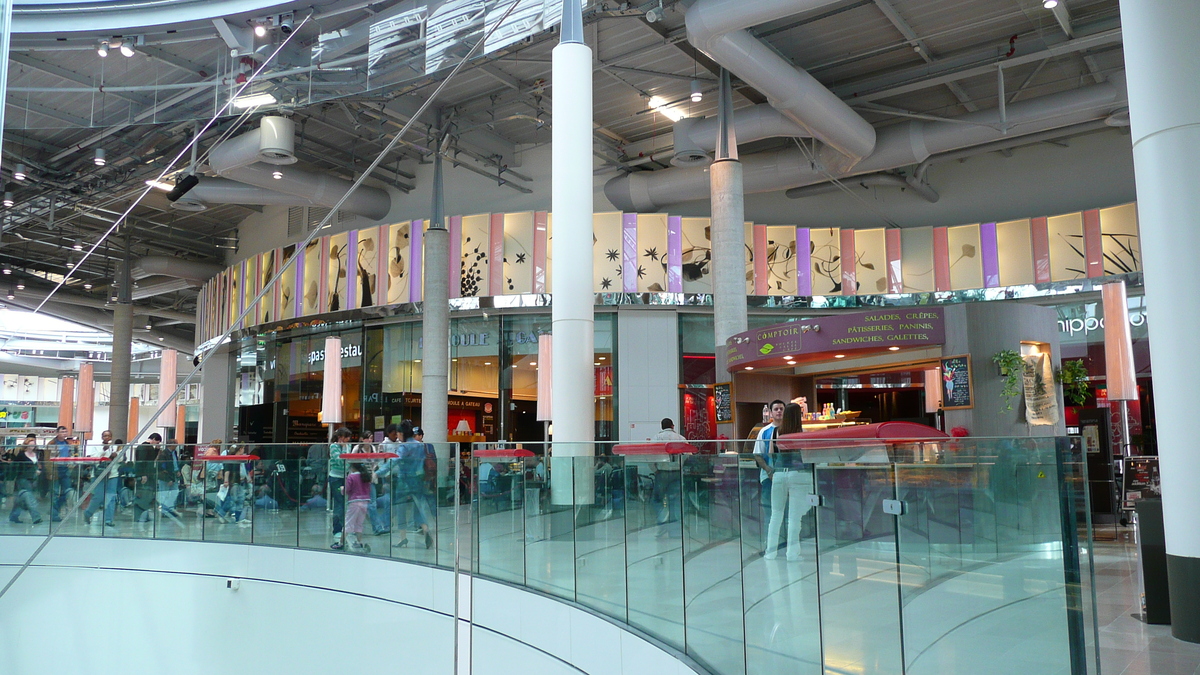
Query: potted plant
pixel 1011 367
pixel 1073 376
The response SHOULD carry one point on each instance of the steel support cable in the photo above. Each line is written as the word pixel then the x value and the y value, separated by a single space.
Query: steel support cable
pixel 165 403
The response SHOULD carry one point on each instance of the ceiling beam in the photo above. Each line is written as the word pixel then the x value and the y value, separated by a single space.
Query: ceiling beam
pixel 749 93
pixel 69 75
pixel 922 49
pixel 174 60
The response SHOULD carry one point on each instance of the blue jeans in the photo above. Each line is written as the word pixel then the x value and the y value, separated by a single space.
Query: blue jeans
pixel 232 503
pixel 106 492
pixel 379 510
pixel 62 488
pixel 667 488
pixel 339 502
pixel 24 500
pixel 411 488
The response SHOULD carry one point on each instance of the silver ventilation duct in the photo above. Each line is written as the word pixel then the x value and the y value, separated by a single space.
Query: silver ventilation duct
pixel 253 164
pixel 695 137
pixel 898 146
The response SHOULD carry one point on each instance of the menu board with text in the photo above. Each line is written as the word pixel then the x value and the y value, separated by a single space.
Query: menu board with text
pixel 956 382
pixel 723 397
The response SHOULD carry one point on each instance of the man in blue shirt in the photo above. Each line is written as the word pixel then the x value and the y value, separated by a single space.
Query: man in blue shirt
pixel 762 456
pixel 60 447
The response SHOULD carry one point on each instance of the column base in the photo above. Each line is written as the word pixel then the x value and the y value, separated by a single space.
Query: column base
pixel 1183 577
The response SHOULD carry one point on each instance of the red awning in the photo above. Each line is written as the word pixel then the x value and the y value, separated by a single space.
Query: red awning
pixel 666 448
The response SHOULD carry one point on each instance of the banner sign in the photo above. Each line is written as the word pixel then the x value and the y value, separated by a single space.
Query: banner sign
pixel 837 334
pixel 1041 400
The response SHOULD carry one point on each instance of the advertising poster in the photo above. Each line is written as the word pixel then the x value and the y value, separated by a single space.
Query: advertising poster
pixel 723 401
pixel 957 392
pixel 1041 401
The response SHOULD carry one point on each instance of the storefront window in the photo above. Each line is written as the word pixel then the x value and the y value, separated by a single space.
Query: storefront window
pixel 299 377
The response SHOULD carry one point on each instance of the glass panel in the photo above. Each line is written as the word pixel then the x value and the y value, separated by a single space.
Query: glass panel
pixel 712 561
pixel 782 617
pixel 600 556
pixel 550 535
pixel 653 513
pixel 857 570
pixel 499 488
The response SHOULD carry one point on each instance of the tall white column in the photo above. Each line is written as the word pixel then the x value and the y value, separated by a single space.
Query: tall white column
pixel 122 354
pixel 1164 103
pixel 728 231
pixel 435 320
pixel 572 295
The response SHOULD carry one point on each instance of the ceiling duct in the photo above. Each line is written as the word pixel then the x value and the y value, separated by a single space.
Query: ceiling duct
pixel 161 265
pixel 251 162
pixel 718 28
pixel 695 137
pixel 899 145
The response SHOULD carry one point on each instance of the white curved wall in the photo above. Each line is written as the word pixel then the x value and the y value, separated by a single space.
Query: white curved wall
pixel 102 606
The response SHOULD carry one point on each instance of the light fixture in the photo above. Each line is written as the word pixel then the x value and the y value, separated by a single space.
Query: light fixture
pixel 149 327
pixel 182 186
pixel 659 104
pixel 7 269
pixel 19 172
pixel 20 285
pixel 8 200
pixel 161 185
pixel 749 367
pixel 87 286
pixel 487 363
pixel 596 363
pixel 102 50
pixel 697 94
pixel 161 338
pixel 1049 4
pixel 127 49
pixel 98 157
pixel 416 360
pixel 113 298
pixel 78 245
pixel 601 358
pixel 533 363
pixel 277 174
pixel 893 349
pixel 286 23
pixel 260 29
pixel 11 294
pixel 254 100
pixel 839 356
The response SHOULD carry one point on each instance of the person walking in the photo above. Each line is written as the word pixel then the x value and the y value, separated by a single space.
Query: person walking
pixel 408 478
pixel 145 472
pixel 668 480
pixel 762 446
pixel 792 484
pixel 107 492
pixel 169 476
pixel 25 469
pixel 379 508
pixel 60 446
pixel 337 479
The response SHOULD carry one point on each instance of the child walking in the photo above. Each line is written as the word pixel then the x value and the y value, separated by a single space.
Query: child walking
pixel 358 496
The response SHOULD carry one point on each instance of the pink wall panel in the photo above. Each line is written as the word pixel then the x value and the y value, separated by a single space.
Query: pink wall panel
pixel 496 254
pixel 895 278
pixel 1040 242
pixel 761 273
pixel 540 221
pixel 941 259
pixel 1093 243
pixel 849 262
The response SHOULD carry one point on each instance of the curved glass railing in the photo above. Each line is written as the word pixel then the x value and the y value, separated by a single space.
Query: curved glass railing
pixel 947 556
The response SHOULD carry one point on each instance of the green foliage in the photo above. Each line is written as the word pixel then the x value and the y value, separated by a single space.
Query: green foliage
pixel 1011 367
pixel 1074 378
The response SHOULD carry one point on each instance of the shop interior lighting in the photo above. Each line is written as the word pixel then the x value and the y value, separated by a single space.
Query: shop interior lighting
pixel 8 199
pixel 254 100
pixel 102 50
pixel 487 363
pixel 659 105
pixel 98 158
pixel 749 367
pixel 697 94
pixel 893 349
pixel 19 172
pixel 596 363
pixel 87 286
pixel 839 356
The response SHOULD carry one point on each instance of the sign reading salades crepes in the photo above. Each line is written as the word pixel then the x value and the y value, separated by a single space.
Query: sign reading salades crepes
pixel 838 333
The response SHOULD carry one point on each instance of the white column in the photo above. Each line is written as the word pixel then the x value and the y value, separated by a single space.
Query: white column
pixel 728 230
pixel 573 297
pixel 1164 103
pixel 435 321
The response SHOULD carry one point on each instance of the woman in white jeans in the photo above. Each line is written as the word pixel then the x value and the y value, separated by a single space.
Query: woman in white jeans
pixel 791 484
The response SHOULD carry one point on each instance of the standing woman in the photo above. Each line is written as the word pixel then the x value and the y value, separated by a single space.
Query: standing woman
pixel 792 482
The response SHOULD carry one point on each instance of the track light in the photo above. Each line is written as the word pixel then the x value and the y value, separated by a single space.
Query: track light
pixel 161 185
pixel 98 157
pixel 285 23
pixel 182 186
pixel 697 94
pixel 8 199
pixel 78 245
pixel 127 49
pixel 19 172
pixel 1049 4
pixel 149 327
pixel 277 174
pixel 102 50
pixel 260 29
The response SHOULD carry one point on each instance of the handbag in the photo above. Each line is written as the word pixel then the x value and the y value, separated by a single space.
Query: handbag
pixel 222 493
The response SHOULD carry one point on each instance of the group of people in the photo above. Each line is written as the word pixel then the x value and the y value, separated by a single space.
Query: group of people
pixel 786 481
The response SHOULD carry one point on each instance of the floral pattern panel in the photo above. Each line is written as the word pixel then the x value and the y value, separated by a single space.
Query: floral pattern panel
pixel 606 253
pixel 473 274
pixel 398 272
pixel 366 268
pixel 826 260
pixel 338 273
pixel 697 255
pixel 652 252
pixel 518 252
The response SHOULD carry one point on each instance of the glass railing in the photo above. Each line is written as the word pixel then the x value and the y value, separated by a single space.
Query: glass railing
pixel 946 556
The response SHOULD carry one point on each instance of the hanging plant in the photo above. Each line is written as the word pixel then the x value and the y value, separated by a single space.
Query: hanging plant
pixel 1011 368
pixel 1074 378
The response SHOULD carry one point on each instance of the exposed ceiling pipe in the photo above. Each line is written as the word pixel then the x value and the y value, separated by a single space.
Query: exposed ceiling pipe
pixel 257 158
pixel 899 145
pixel 717 28
pixel 101 320
pixel 1007 144
pixel 225 191
pixel 919 188
pixel 695 137
pixel 161 265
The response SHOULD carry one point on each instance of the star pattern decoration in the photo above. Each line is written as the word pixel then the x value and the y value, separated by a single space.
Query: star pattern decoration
pixel 652 253
pixel 605 283
pixel 641 271
pixel 520 258
pixel 612 254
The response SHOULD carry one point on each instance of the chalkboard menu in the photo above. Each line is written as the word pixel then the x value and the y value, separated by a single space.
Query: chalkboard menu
pixel 956 382
pixel 723 396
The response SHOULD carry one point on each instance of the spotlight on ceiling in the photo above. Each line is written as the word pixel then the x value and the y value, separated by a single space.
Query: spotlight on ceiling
pixel 98 157
pixel 1049 4
pixel 127 49
pixel 182 187
pixel 7 269
pixel 19 172
pixel 697 94
pixel 11 295
pixel 286 23
pixel 8 199
pixel 78 245
pixel 20 286
pixel 260 29
pixel 87 286
pixel 277 174
pixel 102 50
pixel 160 185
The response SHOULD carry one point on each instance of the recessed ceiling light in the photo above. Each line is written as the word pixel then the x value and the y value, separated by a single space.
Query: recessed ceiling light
pixel 749 367
pixel 596 363
pixel 601 358
pixel 416 360
pixel 533 363
pixel 839 356
pixel 1049 4
pixel 894 349
pixel 487 363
